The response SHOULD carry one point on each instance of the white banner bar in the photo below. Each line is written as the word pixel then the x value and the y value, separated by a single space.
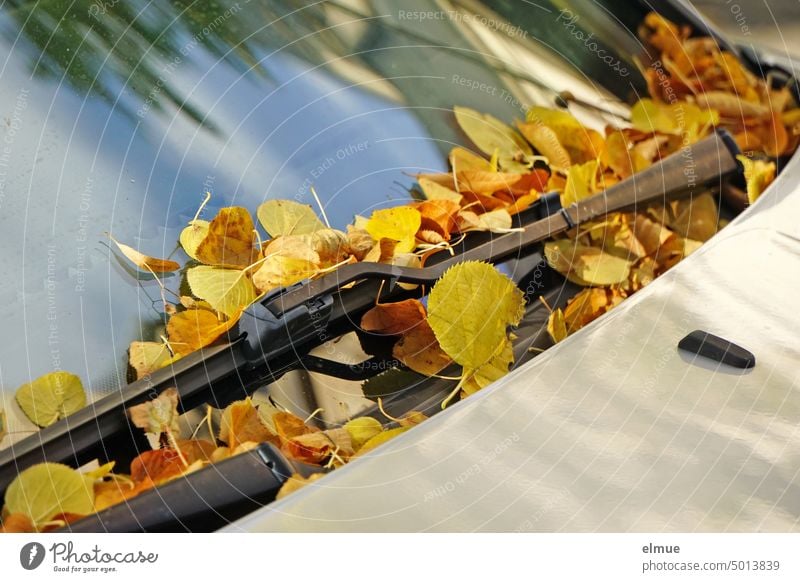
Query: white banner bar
pixel 401 557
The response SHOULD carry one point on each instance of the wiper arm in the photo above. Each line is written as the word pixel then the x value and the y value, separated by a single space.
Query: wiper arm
pixel 278 331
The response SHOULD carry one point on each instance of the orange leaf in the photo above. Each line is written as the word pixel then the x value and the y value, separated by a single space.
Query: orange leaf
pixel 17 523
pixel 439 216
pixel 241 423
pixel 394 318
pixel 157 466
pixel 289 426
pixel 230 240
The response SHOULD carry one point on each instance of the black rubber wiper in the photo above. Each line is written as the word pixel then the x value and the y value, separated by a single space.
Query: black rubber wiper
pixel 275 334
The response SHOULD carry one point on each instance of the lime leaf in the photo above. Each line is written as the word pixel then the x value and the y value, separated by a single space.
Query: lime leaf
pixel 381 438
pixel 147 357
pixel 49 489
pixel 286 217
pixel 227 290
pixel 470 309
pixel 580 182
pixel 390 383
pixel 51 397
pixel 193 235
pixel 362 430
pixel 400 224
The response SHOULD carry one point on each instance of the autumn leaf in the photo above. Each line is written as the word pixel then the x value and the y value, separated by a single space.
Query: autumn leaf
pixel 419 350
pixel 17 523
pixel 586 265
pixel 193 329
pixel 159 415
pixel 581 182
pixel 286 217
pixel 470 309
pixel 289 426
pixel 400 224
pixel 492 135
pixel 331 246
pixel 147 357
pixel 556 326
pixel 157 466
pixel 545 140
pixel 3 425
pixel 51 397
pixel 192 235
pixel 438 216
pixel 46 490
pixel 380 439
pixel 280 271
pixel 241 422
pixel 295 483
pixel 493 370
pixel 434 191
pixel 359 242
pixel 758 174
pixel 230 241
pixel 361 430
pixel 145 262
pixel 394 318
pixel 463 159
pixel 227 290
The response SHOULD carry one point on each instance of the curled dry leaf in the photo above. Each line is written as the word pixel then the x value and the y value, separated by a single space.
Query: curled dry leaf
pixel 331 246
pixel 230 240
pixel 359 242
pixel 545 140
pixel 51 397
pixel 145 262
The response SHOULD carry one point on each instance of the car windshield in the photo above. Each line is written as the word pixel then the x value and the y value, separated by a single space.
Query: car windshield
pixel 120 116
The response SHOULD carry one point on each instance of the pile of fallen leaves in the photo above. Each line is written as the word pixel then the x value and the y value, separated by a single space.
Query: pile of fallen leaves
pixel 465 322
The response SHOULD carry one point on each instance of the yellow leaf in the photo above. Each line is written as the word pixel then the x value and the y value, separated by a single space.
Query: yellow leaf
pixel 286 217
pixel 400 223
pixel 696 218
pixel 556 326
pixel 470 309
pixel 147 357
pixel 280 271
pixel 295 483
pixel 580 143
pixel 434 191
pixel 463 159
pixel 191 236
pixel 47 490
pixel 676 119
pixel 494 369
pixel 545 140
pixel 380 439
pixel 230 240
pixel 330 245
pixel 362 430
pixel 492 135
pixel 586 265
pixel 3 425
pixel 193 329
pixel 51 397
pixel 227 290
pixel 758 174
pixel 158 415
pixel 145 262
pixel 580 182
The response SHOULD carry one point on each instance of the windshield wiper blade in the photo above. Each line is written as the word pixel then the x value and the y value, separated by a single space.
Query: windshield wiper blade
pixel 278 331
